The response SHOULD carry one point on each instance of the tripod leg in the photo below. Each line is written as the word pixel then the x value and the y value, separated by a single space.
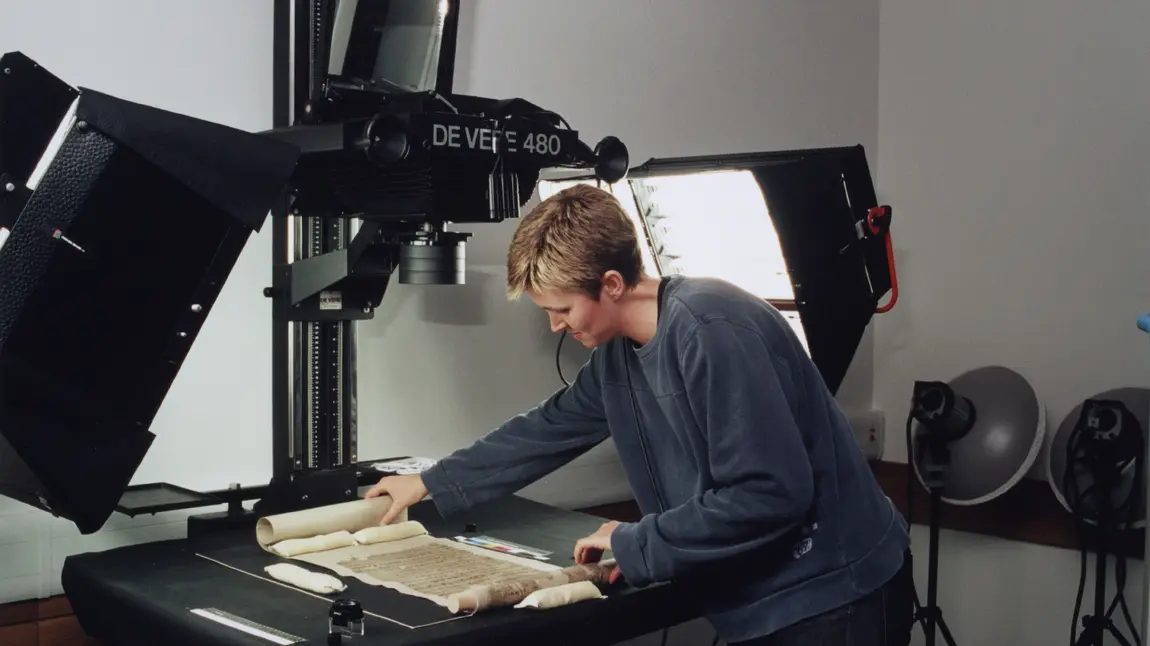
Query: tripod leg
pixel 1118 636
pixel 942 628
pixel 917 604
pixel 933 612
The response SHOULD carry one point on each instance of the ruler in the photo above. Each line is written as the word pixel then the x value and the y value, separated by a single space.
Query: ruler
pixel 507 547
pixel 248 626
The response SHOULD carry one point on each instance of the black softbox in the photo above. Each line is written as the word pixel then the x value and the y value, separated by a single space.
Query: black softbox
pixel 124 222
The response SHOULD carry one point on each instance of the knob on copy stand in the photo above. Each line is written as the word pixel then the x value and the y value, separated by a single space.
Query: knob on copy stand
pixel 344 619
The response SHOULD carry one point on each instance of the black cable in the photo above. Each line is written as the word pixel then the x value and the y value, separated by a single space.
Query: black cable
pixel 1070 486
pixel 559 348
pixel 559 367
pixel 1123 515
pixel 910 470
pixel 910 478
pixel 1083 565
pixel 1131 508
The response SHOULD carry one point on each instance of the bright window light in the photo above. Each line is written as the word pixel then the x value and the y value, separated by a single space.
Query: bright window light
pixel 715 224
pixel 706 224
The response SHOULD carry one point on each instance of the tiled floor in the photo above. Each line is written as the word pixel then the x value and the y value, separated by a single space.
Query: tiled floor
pixel 41 623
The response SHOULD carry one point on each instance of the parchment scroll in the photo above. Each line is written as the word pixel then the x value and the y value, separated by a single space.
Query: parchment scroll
pixel 308 525
pixel 347 540
pixel 511 592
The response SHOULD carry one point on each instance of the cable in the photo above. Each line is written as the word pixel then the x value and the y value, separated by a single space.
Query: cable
pixel 910 475
pixel 1122 516
pixel 559 347
pixel 910 478
pixel 558 366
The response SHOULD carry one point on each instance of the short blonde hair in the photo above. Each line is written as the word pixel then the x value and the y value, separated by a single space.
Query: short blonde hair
pixel 570 240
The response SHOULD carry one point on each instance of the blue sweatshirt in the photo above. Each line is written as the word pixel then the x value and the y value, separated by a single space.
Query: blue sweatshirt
pixel 755 496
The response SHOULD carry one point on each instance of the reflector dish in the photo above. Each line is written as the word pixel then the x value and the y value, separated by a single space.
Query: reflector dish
pixel 999 447
pixel 1137 402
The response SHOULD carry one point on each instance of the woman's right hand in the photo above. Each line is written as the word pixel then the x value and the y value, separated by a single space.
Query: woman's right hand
pixel 405 491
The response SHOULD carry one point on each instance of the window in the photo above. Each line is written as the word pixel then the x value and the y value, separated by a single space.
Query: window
pixel 711 223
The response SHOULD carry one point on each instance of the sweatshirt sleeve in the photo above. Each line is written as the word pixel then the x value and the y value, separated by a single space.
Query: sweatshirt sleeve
pixel 523 449
pixel 762 481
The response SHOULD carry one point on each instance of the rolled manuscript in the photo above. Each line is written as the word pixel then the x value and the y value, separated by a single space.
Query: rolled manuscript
pixel 347 540
pixel 515 591
pixel 321 528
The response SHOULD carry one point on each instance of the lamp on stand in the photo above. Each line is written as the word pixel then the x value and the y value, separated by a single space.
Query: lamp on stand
pixel 970 440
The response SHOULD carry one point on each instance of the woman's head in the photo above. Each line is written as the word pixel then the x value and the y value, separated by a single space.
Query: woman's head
pixel 576 255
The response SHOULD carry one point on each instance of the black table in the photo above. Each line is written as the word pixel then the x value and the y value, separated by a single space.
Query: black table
pixel 144 594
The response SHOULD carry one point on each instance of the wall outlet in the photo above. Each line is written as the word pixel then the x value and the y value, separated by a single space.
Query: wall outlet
pixel 870 432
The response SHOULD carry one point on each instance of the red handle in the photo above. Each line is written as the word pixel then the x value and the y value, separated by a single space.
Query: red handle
pixel 882 228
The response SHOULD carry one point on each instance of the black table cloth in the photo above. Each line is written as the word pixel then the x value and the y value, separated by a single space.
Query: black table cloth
pixel 145 594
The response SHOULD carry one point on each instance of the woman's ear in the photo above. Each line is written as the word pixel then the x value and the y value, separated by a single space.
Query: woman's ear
pixel 613 285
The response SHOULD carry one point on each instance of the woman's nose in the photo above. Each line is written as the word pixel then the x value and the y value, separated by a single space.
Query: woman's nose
pixel 556 324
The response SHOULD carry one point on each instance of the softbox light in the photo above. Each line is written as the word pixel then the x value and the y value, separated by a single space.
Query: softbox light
pixel 978 434
pixel 816 207
pixel 123 236
pixel 1106 431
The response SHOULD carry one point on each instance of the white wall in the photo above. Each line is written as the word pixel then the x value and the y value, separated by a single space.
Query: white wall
pixel 703 78
pixel 1012 146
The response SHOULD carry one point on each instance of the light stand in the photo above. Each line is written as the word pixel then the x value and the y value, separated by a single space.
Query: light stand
pixel 965 459
pixel 944 417
pixel 1106 441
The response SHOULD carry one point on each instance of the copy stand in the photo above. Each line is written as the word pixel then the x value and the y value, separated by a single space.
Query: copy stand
pixel 933 475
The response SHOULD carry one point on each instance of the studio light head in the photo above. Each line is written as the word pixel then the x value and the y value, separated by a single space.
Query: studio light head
pixel 1108 436
pixel 1096 458
pixel 943 413
pixel 974 437
pixel 125 222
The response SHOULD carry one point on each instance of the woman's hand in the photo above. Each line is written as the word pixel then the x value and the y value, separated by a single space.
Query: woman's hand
pixel 590 549
pixel 404 490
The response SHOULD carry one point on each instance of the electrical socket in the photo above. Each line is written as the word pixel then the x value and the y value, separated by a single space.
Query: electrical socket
pixel 869 430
